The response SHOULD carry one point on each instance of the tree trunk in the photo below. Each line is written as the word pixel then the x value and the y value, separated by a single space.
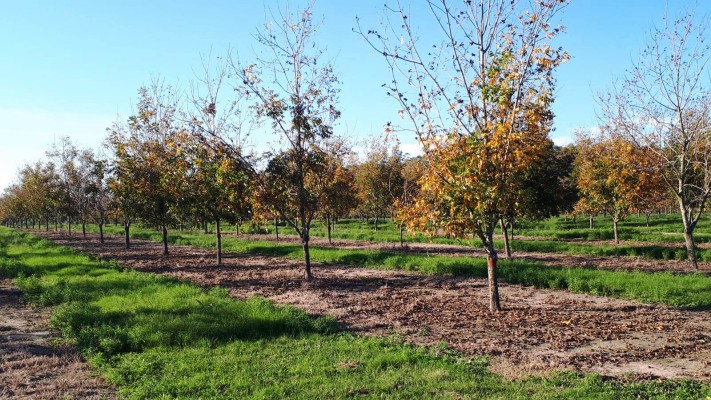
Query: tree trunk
pixel 328 223
pixel 83 228
pixel 69 224
pixel 219 241
pixel 402 228
pixel 691 247
pixel 491 262
pixel 574 219
pixel 376 223
pixel 615 221
pixel 165 239
pixel 591 221
pixel 46 224
pixel 276 227
pixel 512 224
pixel 647 215
pixel 204 226
pixel 507 246
pixel 127 236
pixel 101 232
pixel 307 258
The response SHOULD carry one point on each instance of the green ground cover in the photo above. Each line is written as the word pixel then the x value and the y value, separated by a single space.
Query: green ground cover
pixel 680 290
pixel 157 337
pixel 664 230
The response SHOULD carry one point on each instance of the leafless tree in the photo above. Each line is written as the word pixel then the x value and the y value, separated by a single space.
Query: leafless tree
pixel 664 104
pixel 294 87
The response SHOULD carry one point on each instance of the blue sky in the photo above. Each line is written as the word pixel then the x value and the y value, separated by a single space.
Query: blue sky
pixel 69 68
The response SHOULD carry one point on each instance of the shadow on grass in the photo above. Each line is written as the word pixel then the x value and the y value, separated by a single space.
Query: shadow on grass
pixel 113 327
pixel 107 310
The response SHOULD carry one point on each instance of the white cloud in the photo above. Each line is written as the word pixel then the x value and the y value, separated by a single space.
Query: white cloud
pixel 562 140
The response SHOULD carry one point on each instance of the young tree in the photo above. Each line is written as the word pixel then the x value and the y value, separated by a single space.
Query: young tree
pixel 412 172
pixel 99 193
pixel 378 179
pixel 219 184
pixel 335 185
pixel 296 90
pixel 478 94
pixel 221 171
pixel 148 153
pixel 664 105
pixel 65 156
pixel 124 179
pixel 607 178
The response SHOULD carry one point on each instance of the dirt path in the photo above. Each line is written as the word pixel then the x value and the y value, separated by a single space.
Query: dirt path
pixel 30 366
pixel 557 259
pixel 540 329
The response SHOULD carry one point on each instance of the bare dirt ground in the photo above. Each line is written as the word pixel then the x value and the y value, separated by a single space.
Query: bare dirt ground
pixel 31 367
pixel 562 260
pixel 540 330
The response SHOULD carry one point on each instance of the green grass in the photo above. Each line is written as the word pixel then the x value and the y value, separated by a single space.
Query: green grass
pixel 664 230
pixel 661 229
pixel 679 290
pixel 651 251
pixel 157 337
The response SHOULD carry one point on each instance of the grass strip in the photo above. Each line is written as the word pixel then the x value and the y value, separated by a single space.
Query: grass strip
pixel 665 232
pixel 157 337
pixel 678 290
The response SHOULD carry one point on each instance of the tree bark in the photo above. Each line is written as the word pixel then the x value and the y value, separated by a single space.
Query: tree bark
pixel 276 227
pixel 69 224
pixel 164 230
pixel 591 221
pixel 507 246
pixel 127 236
pixel 615 222
pixel 328 224
pixel 402 228
pixel 101 232
pixel 219 241
pixel 307 258
pixel 691 247
pixel 512 224
pixel 83 228
pixel 647 215
pixel 491 262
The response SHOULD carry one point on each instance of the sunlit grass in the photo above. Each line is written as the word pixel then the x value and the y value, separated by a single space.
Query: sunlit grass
pixel 157 337
pixel 680 290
